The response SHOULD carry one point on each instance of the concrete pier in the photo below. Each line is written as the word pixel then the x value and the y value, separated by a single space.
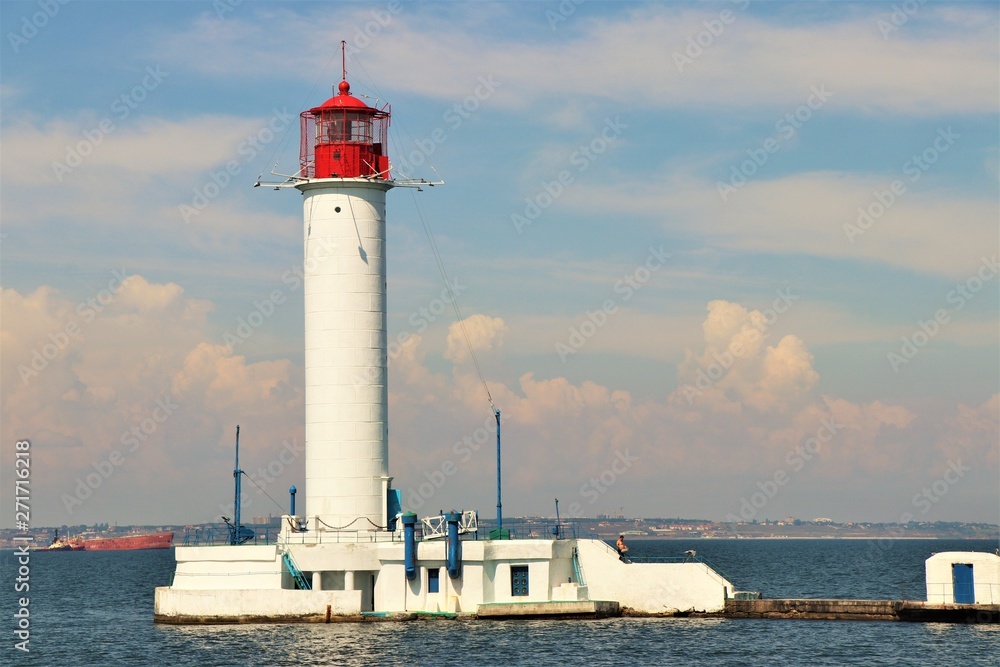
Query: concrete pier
pixel 862 610
pixel 552 609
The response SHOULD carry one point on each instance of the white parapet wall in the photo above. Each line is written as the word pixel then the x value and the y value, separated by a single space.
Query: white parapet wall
pixel 247 606
pixel 244 567
pixel 336 557
pixel 985 573
pixel 651 588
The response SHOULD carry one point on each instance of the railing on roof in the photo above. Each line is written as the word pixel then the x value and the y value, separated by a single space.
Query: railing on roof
pixel 219 535
pixel 688 557
pixel 436 527
pixel 525 530
pixel 342 537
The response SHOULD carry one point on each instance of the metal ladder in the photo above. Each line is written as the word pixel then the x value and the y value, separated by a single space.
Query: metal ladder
pixel 296 573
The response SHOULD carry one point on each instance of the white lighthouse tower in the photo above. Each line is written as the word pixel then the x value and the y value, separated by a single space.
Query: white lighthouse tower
pixel 343 179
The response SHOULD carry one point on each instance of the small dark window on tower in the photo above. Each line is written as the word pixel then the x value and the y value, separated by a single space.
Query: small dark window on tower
pixel 337 209
pixel 433 580
pixel 518 580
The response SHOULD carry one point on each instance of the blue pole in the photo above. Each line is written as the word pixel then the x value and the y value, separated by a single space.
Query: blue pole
pixel 409 545
pixel 454 551
pixel 236 474
pixel 292 490
pixel 558 524
pixel 499 504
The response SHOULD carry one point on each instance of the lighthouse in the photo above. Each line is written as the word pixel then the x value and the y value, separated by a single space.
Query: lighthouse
pixel 346 558
pixel 343 178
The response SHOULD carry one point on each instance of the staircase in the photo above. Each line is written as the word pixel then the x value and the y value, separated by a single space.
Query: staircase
pixel 296 573
pixel 578 568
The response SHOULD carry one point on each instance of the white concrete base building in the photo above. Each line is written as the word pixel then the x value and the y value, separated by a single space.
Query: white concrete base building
pixel 349 579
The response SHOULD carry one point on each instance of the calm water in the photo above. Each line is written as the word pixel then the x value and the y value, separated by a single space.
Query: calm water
pixel 95 608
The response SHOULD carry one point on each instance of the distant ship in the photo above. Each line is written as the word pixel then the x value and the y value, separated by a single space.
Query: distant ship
pixel 129 542
pixel 124 543
pixel 61 544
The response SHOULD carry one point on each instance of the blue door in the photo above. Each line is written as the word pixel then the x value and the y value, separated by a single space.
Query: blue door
pixel 518 580
pixel 961 576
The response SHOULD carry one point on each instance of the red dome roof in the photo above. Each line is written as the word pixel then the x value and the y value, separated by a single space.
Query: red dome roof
pixel 343 101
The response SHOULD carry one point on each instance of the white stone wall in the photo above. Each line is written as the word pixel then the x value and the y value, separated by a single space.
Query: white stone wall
pixel 651 587
pixel 985 576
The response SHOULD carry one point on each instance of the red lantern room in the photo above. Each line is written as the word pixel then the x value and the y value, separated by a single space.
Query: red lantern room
pixel 344 138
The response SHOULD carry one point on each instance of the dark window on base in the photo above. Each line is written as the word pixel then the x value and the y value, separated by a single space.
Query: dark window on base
pixel 433 580
pixel 518 580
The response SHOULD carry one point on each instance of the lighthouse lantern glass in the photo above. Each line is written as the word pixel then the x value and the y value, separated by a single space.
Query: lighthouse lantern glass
pixel 344 139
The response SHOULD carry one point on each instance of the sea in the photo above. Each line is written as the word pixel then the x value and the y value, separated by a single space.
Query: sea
pixel 96 608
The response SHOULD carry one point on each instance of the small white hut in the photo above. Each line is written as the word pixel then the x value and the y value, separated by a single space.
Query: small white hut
pixel 963 577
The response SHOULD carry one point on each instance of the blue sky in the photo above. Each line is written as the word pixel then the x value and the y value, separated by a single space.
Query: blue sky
pixel 741 139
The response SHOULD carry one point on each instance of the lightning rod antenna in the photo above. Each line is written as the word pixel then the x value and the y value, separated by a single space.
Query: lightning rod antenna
pixel 343 58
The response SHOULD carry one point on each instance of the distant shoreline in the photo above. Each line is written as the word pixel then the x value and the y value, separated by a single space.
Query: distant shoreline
pixel 796 537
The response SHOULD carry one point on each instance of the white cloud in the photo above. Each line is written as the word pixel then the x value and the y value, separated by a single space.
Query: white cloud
pixel 751 422
pixel 480 332
pixel 152 345
pixel 816 213
pixel 137 374
pixel 737 370
pixel 630 56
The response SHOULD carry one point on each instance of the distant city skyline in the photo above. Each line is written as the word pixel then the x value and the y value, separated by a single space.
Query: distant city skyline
pixel 732 260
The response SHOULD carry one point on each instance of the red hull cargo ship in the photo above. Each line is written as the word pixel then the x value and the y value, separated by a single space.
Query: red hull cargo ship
pixel 129 542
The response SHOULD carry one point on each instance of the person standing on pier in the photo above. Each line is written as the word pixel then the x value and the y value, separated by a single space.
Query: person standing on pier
pixel 622 548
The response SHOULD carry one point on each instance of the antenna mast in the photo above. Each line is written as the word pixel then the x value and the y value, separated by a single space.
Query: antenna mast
pixel 235 532
pixel 496 413
pixel 343 58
